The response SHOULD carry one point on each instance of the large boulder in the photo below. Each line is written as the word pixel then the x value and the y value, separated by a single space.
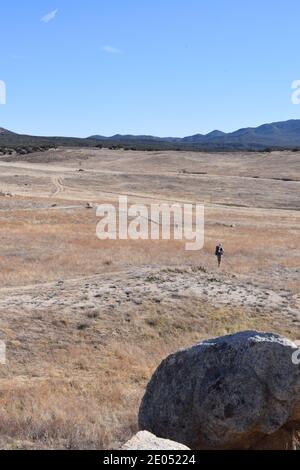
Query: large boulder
pixel 239 391
pixel 146 441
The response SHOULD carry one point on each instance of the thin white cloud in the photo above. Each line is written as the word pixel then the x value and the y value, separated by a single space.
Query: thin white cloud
pixel 50 16
pixel 111 50
pixel 18 57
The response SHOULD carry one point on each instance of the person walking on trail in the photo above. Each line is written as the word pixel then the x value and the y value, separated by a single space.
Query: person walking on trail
pixel 219 253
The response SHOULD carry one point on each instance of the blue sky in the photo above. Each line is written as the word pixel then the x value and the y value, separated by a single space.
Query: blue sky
pixel 161 67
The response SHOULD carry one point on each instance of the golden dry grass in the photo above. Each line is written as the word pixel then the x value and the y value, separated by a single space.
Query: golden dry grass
pixel 42 245
pixel 88 397
pixel 76 374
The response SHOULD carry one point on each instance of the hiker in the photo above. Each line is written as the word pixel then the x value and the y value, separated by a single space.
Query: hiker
pixel 219 253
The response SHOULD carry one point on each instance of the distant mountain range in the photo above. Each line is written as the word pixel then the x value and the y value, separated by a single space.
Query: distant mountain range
pixel 284 134
pixel 277 135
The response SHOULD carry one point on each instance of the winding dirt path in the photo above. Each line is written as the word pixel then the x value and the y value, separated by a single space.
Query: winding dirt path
pixel 58 183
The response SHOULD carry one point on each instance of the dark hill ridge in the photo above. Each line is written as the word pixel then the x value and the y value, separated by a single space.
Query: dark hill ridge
pixel 277 135
pixel 5 132
pixel 284 134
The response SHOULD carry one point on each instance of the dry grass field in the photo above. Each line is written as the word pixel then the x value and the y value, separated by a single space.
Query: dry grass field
pixel 87 321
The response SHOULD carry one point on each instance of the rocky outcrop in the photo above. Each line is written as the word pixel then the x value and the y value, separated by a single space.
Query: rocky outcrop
pixel 146 441
pixel 240 391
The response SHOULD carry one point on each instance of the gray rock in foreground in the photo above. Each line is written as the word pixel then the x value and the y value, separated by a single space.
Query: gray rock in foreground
pixel 229 392
pixel 146 441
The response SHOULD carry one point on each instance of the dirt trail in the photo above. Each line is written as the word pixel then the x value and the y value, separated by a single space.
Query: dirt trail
pixel 58 183
pixel 84 186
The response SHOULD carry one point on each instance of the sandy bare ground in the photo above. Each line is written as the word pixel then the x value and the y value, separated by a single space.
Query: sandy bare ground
pixel 226 179
pixel 86 321
pixel 157 285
